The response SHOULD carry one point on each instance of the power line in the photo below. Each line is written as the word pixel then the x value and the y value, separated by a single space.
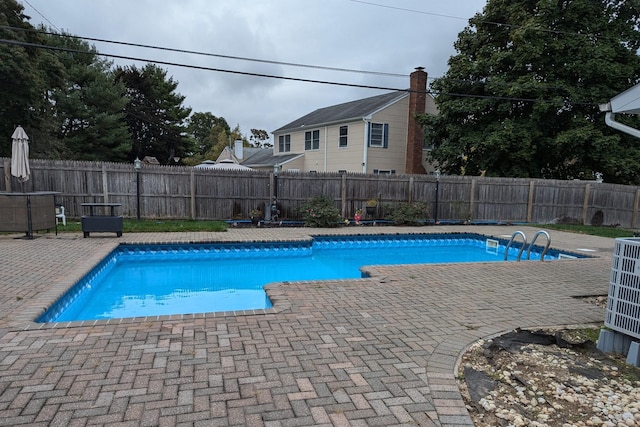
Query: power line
pixel 39 13
pixel 197 67
pixel 217 55
pixel 408 10
pixel 296 79
pixel 479 21
pixel 377 73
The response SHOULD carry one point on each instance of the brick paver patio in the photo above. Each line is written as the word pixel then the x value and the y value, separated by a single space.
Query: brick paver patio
pixel 379 351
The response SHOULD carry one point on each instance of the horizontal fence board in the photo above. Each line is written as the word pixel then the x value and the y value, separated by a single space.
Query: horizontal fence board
pixel 180 192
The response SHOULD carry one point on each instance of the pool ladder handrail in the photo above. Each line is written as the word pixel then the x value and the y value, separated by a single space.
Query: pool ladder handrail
pixel 546 247
pixel 513 237
pixel 524 244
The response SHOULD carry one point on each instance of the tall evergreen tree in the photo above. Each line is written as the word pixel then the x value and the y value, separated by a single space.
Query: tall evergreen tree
pixel 154 113
pixel 89 105
pixel 26 74
pixel 521 95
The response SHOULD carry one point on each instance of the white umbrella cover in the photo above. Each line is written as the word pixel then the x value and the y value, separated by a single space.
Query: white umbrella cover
pixel 223 164
pixel 20 155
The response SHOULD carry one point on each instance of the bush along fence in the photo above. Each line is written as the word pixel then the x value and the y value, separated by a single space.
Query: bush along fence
pixel 179 192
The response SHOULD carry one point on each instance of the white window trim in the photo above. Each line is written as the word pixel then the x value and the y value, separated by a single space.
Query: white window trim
pixel 312 140
pixel 345 136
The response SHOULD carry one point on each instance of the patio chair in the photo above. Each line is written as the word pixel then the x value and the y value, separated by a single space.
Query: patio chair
pixel 60 215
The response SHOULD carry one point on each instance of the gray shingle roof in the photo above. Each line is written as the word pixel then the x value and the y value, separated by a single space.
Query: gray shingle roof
pixel 348 111
pixel 265 157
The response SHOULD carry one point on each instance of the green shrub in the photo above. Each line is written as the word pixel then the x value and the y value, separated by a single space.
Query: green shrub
pixel 407 213
pixel 320 212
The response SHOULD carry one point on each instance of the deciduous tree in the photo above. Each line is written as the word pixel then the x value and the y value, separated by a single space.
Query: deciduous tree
pixel 259 138
pixel 521 95
pixel 200 127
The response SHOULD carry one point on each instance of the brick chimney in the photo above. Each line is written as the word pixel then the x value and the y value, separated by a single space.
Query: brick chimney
pixel 417 105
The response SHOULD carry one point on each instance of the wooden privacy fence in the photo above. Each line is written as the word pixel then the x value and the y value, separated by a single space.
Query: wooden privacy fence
pixel 170 192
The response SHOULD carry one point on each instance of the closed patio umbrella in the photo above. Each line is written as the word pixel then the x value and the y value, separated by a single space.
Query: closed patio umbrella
pixel 20 155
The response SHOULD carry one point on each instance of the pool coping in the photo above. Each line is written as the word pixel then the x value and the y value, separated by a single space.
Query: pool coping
pixel 273 290
pixel 155 368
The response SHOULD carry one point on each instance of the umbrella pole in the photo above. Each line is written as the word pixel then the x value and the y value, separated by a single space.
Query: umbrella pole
pixel 29 220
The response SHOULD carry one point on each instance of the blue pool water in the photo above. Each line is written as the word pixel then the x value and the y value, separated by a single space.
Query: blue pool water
pixel 151 280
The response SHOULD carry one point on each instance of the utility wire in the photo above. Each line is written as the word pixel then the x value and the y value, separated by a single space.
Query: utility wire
pixel 479 21
pixel 297 79
pixel 377 73
pixel 217 55
pixel 39 13
pixel 408 10
pixel 197 67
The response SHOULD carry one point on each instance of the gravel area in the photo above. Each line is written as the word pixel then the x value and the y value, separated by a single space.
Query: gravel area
pixel 549 378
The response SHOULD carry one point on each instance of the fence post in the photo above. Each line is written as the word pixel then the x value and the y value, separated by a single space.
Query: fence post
pixel 472 198
pixel 105 184
pixel 532 186
pixel 410 192
pixel 585 203
pixel 343 195
pixel 634 215
pixel 192 190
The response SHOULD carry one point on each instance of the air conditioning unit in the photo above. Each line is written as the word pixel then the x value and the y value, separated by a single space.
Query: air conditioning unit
pixel 623 304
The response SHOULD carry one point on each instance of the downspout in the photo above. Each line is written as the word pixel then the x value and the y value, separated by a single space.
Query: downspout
pixel 365 144
pixel 609 119
pixel 325 149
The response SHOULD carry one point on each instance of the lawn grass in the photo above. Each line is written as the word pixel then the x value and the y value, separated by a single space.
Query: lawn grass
pixel 171 225
pixel 612 232
pixel 158 226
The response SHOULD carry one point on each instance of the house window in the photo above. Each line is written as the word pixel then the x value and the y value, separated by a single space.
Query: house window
pixel 344 131
pixel 312 140
pixel 284 143
pixel 378 135
pixel 384 172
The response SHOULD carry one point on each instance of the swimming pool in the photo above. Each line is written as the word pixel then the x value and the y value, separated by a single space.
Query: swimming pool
pixel 152 280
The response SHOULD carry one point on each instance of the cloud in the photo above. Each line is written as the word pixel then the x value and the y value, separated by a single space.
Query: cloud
pixel 347 34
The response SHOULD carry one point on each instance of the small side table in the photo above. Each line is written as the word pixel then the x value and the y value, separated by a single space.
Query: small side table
pixel 108 222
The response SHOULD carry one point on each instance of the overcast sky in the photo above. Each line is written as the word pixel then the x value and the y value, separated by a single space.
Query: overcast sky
pixel 386 36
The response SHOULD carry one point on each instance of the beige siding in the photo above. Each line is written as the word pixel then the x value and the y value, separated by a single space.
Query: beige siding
pixel 393 157
pixel 294 165
pixel 431 107
pixel 347 158
pixel 297 143
pixel 331 158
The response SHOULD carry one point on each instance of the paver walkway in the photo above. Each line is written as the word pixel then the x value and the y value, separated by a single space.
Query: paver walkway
pixel 380 351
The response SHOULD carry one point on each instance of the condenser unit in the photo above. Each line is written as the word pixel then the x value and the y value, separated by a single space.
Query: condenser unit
pixel 623 303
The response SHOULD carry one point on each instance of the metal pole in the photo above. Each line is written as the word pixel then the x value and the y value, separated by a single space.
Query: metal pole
pixel 138 194
pixel 435 214
pixel 137 165
pixel 274 205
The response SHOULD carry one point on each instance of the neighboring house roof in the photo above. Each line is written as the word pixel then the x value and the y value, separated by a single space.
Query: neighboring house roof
pixel 349 111
pixel 223 164
pixel 264 158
